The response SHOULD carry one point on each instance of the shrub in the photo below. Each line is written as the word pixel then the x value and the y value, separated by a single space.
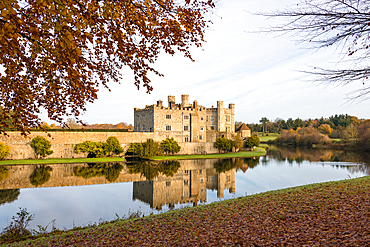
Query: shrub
pixel 303 137
pixel 4 150
pixel 18 228
pixel 252 141
pixel 41 146
pixel 147 149
pixel 170 146
pixel 224 144
pixel 113 145
pixel 99 149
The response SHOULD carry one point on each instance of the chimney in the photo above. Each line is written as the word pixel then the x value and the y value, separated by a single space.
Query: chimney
pixel 171 101
pixel 195 104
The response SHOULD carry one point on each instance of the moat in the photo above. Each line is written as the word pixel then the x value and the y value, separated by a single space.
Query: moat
pixel 81 194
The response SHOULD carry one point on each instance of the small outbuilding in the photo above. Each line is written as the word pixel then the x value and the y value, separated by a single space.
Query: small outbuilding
pixel 243 131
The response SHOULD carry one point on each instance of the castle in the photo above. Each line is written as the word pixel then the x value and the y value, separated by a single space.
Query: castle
pixel 193 126
pixel 186 122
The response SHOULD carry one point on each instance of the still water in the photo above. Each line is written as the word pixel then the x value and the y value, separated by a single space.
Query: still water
pixel 81 194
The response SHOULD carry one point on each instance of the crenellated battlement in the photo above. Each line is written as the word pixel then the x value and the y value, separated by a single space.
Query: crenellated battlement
pixel 190 119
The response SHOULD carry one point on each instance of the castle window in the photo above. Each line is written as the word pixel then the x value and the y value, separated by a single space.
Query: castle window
pixel 200 137
pixel 168 116
pixel 186 117
pixel 186 128
pixel 212 118
pixel 143 127
pixel 186 171
pixel 186 193
pixel 186 139
pixel 186 182
pixel 201 118
pixel 207 119
pixel 202 180
pixel 212 127
pixel 226 129
pixel 168 127
pixel 168 183
pixel 200 171
pixel 201 128
pixel 212 178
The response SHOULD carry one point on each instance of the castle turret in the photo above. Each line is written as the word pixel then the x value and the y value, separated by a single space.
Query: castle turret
pixel 171 101
pixel 232 120
pixel 220 116
pixel 184 100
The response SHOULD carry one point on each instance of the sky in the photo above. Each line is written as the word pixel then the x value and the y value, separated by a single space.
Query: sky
pixel 257 72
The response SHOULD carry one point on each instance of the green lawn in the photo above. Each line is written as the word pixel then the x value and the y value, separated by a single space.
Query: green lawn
pixel 212 156
pixel 59 161
pixel 271 136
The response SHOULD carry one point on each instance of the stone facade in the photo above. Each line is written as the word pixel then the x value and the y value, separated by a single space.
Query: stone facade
pixel 186 122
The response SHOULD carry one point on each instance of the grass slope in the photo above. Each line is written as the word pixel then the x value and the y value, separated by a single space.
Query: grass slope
pixel 271 136
pixel 212 156
pixel 326 214
pixel 59 161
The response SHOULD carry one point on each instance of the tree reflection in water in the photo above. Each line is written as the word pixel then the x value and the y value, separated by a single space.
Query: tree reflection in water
pixel 151 170
pixel 243 164
pixel 8 196
pixel 110 171
pixel 40 175
pixel 4 173
pixel 298 155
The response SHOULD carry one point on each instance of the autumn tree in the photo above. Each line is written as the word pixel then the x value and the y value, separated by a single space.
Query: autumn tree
pixel 4 150
pixel 55 55
pixel 323 23
pixel 325 129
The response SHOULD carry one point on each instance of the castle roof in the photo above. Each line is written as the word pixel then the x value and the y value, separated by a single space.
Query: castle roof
pixel 243 127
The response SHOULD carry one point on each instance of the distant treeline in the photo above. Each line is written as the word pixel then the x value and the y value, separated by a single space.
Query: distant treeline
pixel 348 129
pixel 336 122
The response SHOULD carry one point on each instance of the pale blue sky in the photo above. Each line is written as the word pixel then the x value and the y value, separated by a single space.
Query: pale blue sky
pixel 257 72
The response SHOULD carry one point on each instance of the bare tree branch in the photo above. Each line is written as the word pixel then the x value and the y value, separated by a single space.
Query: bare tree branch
pixel 323 23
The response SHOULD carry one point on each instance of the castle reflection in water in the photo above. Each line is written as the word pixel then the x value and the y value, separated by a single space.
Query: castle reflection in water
pixel 155 183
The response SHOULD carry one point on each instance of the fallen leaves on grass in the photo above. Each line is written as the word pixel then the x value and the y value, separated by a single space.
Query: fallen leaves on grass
pixel 335 213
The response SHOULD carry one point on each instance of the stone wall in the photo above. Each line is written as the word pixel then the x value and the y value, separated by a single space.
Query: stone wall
pixel 62 143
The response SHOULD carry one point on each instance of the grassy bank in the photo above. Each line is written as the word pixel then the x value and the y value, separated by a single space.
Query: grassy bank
pixel 268 137
pixel 326 214
pixel 213 156
pixel 59 161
